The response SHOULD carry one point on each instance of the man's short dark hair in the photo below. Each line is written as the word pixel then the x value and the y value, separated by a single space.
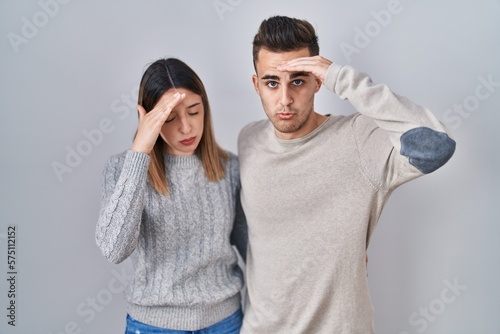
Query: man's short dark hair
pixel 284 34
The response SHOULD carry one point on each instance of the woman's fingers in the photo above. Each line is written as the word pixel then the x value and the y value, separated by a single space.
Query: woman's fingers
pixel 150 123
pixel 168 102
pixel 141 112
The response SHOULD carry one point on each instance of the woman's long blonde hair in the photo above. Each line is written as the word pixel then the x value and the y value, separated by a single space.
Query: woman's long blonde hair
pixel 159 77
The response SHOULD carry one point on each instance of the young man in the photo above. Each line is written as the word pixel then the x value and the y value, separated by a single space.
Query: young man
pixel 314 185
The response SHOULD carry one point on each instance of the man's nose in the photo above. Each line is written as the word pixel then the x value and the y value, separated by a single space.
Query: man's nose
pixel 286 96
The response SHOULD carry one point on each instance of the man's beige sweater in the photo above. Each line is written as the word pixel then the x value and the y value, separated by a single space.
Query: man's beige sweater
pixel 312 204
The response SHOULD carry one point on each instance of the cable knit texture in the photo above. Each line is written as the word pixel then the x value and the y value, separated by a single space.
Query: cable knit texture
pixel 186 273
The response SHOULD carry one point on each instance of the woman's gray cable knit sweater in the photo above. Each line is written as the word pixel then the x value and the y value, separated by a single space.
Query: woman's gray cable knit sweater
pixel 186 273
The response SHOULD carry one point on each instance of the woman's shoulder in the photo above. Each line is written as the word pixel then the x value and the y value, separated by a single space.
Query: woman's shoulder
pixel 233 165
pixel 115 163
pixel 233 158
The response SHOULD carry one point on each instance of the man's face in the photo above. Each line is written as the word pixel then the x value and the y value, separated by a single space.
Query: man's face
pixel 287 97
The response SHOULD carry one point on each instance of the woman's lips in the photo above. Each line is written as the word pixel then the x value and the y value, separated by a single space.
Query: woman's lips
pixel 188 141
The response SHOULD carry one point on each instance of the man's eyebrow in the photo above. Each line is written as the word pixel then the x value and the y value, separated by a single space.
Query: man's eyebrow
pixel 299 74
pixel 270 77
pixel 292 76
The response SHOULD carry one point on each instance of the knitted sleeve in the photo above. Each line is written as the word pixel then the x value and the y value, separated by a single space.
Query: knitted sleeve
pixel 239 233
pixel 122 203
pixel 413 130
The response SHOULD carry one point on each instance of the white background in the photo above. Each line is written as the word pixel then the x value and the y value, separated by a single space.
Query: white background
pixel 70 67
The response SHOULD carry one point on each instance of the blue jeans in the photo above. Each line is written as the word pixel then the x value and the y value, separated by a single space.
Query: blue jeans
pixel 230 325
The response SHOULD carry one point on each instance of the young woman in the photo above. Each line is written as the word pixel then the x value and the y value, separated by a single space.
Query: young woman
pixel 172 202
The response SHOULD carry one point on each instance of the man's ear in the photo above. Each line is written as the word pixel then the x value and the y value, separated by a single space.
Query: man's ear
pixel 255 81
pixel 318 85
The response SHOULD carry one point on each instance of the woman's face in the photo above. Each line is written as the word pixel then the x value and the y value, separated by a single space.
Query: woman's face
pixel 184 126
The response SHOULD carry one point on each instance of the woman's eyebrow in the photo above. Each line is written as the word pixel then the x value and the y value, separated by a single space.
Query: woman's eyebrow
pixel 193 105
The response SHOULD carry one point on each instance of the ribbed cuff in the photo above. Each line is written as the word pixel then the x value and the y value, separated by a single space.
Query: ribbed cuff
pixel 136 164
pixel 185 318
pixel 332 75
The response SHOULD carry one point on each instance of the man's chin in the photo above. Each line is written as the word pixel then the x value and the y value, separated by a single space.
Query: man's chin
pixel 285 126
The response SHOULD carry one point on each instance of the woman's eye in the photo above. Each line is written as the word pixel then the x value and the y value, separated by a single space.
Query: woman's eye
pixel 169 120
pixel 193 113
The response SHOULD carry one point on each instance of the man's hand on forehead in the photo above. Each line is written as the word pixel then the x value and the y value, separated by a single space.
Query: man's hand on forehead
pixel 316 65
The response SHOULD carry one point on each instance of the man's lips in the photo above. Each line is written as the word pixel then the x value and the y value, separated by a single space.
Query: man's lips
pixel 188 141
pixel 285 115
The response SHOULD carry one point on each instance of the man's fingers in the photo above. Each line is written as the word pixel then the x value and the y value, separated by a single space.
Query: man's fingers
pixel 304 64
pixel 291 65
pixel 298 61
pixel 317 66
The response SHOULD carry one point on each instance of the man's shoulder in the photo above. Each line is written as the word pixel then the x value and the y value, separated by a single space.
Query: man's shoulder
pixel 363 124
pixel 353 121
pixel 254 129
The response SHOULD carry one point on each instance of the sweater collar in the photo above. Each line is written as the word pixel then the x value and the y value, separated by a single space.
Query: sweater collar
pixel 312 134
pixel 183 161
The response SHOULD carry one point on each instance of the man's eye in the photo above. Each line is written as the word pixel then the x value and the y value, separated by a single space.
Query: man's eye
pixel 297 82
pixel 272 84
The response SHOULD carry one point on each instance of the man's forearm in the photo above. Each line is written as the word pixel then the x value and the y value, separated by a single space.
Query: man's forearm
pixel 414 131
